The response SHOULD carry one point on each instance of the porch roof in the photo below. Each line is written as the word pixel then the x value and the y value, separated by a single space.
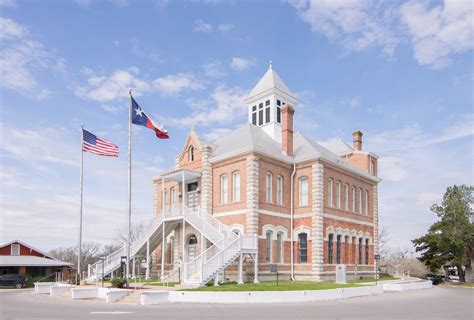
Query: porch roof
pixel 176 174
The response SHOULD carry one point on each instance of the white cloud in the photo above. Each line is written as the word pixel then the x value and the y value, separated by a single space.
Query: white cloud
pixel 438 33
pixel 225 107
pixel 225 27
pixel 8 3
pixel 112 108
pixel 216 134
pixel 356 24
pixel 240 64
pixel 214 69
pixel 176 83
pixel 20 56
pixel 111 87
pixel 201 26
pixel 83 3
pixel 119 3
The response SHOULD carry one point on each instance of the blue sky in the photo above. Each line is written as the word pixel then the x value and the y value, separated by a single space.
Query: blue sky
pixel 402 72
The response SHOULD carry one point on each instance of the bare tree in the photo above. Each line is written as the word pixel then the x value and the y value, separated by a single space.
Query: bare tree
pixel 136 230
pixel 89 254
pixel 383 240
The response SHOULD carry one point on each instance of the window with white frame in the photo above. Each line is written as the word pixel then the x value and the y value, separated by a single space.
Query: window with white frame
pixel 269 246
pixel 165 195
pixel 330 192
pixel 346 197
pixel 303 191
pixel 254 115
pixel 372 167
pixel 302 248
pixel 366 206
pixel 353 199
pixel 268 187
pixel 366 251
pixel 260 114
pixel 360 200
pixel 236 186
pixel 224 186
pixel 279 247
pixel 338 195
pixel 338 249
pixel 15 249
pixel 191 154
pixel 330 248
pixel 278 111
pixel 173 195
pixel 267 111
pixel 280 190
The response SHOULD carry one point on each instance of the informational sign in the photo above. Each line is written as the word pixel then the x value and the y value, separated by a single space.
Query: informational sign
pixel 377 257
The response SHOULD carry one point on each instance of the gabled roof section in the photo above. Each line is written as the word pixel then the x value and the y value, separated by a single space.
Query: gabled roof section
pixel 25 245
pixel 31 261
pixel 270 80
pixel 338 146
pixel 245 139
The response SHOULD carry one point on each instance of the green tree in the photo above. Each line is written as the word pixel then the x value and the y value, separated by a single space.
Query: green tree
pixel 451 238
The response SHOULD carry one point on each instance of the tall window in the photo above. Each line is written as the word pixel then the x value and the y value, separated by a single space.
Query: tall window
pixel 173 195
pixel 260 114
pixel 360 251
pixel 302 248
pixel 338 249
pixel 279 248
pixel 338 195
pixel 236 186
pixel 268 187
pixel 366 251
pixel 278 111
pixel 330 241
pixel 372 167
pixel 353 199
pixel 267 111
pixel 360 200
pixel 269 246
pixel 191 153
pixel 346 197
pixel 224 193
pixel 254 115
pixel 366 207
pixel 280 190
pixel 330 192
pixel 303 191
pixel 15 249
pixel 165 195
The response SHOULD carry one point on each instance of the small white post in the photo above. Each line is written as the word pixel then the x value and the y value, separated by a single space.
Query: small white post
pixel 183 254
pixel 163 249
pixel 147 273
pixel 88 270
pixel 241 262
pixel 133 268
pixel 255 279
pixel 216 279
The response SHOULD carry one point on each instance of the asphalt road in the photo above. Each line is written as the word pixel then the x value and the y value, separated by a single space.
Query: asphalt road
pixel 436 303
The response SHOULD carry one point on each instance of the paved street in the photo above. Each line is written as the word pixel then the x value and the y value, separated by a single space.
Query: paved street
pixel 436 303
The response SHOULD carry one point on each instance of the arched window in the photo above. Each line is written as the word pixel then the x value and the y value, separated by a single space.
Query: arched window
pixel 223 188
pixel 366 251
pixel 303 191
pixel 302 248
pixel 268 187
pixel 191 153
pixel 330 246
pixel 279 247
pixel 279 190
pixel 236 186
pixel 192 239
pixel 338 249
pixel 330 192
pixel 360 251
pixel 360 200
pixel 346 197
pixel 338 195
pixel 269 246
pixel 173 195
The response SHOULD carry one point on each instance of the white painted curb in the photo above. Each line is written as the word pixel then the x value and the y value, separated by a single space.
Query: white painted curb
pixel 57 290
pixel 108 294
pixel 404 286
pixel 43 287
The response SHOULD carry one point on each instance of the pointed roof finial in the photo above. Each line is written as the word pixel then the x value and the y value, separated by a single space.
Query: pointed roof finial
pixel 270 65
pixel 193 128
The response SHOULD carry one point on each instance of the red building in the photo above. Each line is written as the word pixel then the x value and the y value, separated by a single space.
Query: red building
pixel 17 257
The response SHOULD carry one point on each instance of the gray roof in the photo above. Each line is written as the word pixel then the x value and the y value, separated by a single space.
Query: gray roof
pixel 270 80
pixel 30 261
pixel 338 146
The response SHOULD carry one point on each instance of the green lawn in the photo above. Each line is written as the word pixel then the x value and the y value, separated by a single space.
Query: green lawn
pixel 373 280
pixel 284 285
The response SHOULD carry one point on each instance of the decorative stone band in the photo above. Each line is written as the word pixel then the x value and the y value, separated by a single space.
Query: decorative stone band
pixel 376 220
pixel 317 242
pixel 206 180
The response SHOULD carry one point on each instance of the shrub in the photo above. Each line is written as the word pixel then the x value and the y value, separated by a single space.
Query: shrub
pixel 118 282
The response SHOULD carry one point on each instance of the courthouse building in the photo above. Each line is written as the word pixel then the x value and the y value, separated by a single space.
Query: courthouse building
pixel 311 206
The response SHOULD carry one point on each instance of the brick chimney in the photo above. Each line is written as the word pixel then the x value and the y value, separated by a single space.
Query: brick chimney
pixel 287 113
pixel 357 140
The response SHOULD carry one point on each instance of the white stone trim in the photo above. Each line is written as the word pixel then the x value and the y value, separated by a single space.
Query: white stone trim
pixel 231 213
pixel 317 221
pixel 349 233
pixel 237 226
pixel 302 229
pixel 252 195
pixel 343 219
pixel 275 230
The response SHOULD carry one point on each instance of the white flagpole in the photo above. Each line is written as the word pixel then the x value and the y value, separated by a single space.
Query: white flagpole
pixel 129 221
pixel 79 251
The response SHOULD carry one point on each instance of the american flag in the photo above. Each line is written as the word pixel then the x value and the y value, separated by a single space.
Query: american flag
pixel 99 146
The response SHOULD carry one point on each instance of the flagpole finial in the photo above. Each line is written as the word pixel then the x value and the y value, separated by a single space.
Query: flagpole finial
pixel 270 64
pixel 130 91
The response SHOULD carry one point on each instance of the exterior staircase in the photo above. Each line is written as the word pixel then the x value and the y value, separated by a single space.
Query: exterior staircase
pixel 226 245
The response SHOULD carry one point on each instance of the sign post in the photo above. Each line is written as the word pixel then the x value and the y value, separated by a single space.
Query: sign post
pixel 376 258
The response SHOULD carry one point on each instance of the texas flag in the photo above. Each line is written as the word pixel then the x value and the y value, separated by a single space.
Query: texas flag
pixel 140 118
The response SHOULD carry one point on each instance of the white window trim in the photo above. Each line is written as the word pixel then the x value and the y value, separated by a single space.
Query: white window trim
pixel 330 192
pixel 224 194
pixel 268 187
pixel 366 205
pixel 269 256
pixel 338 195
pixel 280 254
pixel 279 190
pixel 235 186
pixel 15 245
pixel 303 194
pixel 346 197
pixel 360 200
pixel 354 199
